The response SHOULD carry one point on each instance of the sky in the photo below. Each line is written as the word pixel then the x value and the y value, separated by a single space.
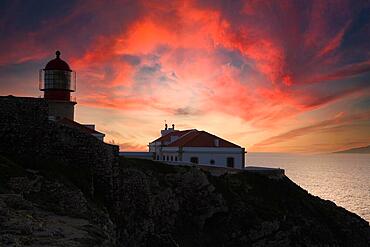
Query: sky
pixel 271 76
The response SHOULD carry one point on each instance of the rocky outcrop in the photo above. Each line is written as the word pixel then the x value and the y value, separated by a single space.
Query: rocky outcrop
pixel 39 210
pixel 185 206
pixel 165 209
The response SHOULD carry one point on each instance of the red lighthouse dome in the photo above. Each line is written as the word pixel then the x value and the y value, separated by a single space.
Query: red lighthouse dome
pixel 57 64
pixel 57 80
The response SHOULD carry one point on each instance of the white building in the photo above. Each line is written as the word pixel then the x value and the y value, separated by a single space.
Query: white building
pixel 198 147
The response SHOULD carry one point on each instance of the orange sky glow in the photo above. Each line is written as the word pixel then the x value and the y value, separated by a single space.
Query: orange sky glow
pixel 272 76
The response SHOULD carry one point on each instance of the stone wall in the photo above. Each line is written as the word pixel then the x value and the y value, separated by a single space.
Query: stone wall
pixel 25 131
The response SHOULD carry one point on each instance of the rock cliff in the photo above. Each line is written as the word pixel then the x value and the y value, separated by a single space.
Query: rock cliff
pixel 60 187
pixel 185 206
pixel 161 205
pixel 43 208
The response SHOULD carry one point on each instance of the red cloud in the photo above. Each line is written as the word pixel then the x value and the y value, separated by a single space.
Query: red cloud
pixel 189 36
pixel 334 42
pixel 181 47
pixel 106 101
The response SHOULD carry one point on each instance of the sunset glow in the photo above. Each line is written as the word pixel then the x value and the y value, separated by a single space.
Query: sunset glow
pixel 271 76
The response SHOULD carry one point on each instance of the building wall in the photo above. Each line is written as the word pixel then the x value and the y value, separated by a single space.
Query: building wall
pixel 204 155
pixel 155 147
pixel 61 109
pixel 220 159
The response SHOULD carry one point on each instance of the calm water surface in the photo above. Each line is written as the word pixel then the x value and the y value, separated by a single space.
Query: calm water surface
pixel 341 178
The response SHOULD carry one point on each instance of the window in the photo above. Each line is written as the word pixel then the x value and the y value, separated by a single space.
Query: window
pixel 57 79
pixel 171 158
pixel 230 161
pixel 157 157
pixel 175 158
pixel 212 162
pixel 167 158
pixel 194 160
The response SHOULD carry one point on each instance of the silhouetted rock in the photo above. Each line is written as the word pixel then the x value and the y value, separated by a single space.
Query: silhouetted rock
pixel 41 210
pixel 61 187
pixel 246 209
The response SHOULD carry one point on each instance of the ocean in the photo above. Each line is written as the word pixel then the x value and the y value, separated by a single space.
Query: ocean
pixel 341 178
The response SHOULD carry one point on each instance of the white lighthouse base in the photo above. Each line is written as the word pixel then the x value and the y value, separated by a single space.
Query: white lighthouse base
pixel 59 109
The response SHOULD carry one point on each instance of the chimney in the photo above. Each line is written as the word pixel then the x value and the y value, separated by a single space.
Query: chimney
pixel 167 130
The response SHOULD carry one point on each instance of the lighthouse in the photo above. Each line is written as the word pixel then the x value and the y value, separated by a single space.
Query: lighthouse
pixel 58 82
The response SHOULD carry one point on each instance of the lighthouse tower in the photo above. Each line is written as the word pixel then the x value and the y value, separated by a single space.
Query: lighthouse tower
pixel 58 81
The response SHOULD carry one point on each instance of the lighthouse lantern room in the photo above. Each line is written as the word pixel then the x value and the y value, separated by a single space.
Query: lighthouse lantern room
pixel 58 81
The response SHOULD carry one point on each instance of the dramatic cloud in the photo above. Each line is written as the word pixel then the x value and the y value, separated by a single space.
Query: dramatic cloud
pixel 265 64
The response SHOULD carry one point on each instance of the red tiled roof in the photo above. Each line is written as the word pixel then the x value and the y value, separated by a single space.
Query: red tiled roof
pixel 179 142
pixel 78 126
pixel 201 139
pixel 167 137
